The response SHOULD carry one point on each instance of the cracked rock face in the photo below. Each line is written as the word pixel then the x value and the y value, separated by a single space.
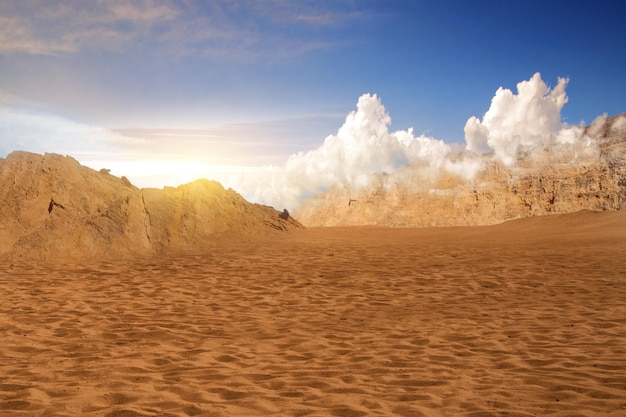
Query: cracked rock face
pixel 590 175
pixel 53 208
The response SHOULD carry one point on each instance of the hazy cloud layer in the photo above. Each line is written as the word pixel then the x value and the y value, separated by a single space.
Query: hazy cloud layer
pixel 514 126
pixel 160 157
pixel 40 132
pixel 242 28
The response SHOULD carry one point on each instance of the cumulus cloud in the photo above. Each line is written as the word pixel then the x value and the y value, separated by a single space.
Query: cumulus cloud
pixel 514 126
pixel 517 123
pixel 363 146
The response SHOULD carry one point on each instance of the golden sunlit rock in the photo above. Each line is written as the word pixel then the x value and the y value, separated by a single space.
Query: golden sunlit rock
pixel 54 208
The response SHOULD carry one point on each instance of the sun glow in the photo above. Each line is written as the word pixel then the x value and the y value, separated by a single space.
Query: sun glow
pixel 172 173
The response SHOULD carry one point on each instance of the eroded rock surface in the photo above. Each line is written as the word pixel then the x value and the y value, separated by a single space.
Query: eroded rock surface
pixel 590 174
pixel 53 207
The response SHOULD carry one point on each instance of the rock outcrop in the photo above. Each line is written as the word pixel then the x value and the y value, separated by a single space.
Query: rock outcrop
pixel 589 174
pixel 51 208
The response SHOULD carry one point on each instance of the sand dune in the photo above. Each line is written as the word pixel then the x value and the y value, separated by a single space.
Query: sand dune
pixel 526 318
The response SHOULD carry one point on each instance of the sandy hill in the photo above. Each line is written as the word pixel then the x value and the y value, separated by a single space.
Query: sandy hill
pixel 587 175
pixel 52 207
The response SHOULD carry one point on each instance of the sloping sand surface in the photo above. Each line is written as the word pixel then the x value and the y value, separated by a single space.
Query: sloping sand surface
pixel 527 318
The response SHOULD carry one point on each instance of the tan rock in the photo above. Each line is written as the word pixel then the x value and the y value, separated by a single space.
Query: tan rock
pixel 555 179
pixel 51 208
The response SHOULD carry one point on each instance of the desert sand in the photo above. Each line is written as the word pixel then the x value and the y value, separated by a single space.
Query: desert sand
pixel 526 318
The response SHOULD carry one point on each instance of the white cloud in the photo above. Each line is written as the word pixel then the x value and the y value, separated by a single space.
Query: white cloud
pixel 517 123
pixel 7 99
pixel 363 146
pixel 514 126
pixel 18 36
pixel 143 11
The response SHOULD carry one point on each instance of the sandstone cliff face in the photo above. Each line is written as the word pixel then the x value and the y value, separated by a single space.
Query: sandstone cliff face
pixel 590 174
pixel 52 207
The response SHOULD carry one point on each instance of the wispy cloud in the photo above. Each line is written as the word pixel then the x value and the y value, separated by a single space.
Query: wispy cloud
pixel 144 12
pixel 7 98
pixel 215 27
pixel 53 27
pixel 18 36
pixel 41 132
pixel 312 13
pixel 254 143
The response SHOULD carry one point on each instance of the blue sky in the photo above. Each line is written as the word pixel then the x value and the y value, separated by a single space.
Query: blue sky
pixel 246 82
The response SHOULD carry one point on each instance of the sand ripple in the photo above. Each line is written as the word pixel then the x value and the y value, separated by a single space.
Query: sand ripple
pixel 328 322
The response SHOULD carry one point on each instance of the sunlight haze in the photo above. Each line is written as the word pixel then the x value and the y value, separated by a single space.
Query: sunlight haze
pixel 163 92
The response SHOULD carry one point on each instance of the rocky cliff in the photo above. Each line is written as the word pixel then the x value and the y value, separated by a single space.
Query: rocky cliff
pixel 51 208
pixel 589 173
